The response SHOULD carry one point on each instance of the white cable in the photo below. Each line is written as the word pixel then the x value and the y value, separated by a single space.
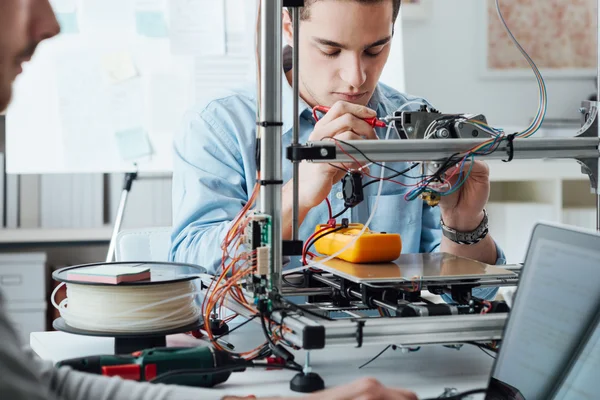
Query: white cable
pixel 133 308
pixel 364 229
pixel 381 177
pixel 403 106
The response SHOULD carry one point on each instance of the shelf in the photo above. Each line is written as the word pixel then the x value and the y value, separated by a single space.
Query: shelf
pixel 55 236
pixel 535 170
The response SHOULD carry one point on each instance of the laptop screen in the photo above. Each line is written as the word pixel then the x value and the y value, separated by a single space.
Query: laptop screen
pixel 556 301
pixel 581 379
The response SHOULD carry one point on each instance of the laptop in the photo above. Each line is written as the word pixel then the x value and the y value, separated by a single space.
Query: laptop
pixel 580 379
pixel 553 322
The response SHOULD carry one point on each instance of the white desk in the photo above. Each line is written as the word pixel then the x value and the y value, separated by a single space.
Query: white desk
pixel 427 372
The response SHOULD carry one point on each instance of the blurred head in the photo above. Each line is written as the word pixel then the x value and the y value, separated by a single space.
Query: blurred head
pixel 344 45
pixel 23 25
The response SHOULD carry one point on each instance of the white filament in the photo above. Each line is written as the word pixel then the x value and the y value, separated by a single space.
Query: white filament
pixel 133 308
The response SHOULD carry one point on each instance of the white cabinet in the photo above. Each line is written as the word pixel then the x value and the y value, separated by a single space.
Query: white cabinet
pixel 23 287
pixel 27 318
pixel 524 192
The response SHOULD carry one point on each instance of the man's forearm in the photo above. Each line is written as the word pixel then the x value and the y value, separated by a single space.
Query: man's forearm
pixel 286 210
pixel 484 251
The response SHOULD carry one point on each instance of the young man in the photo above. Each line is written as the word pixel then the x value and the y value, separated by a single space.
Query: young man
pixel 23 25
pixel 344 45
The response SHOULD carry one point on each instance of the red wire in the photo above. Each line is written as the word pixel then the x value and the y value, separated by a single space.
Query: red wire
pixel 329 208
pixel 348 154
pixel 310 238
pixel 315 116
pixel 369 175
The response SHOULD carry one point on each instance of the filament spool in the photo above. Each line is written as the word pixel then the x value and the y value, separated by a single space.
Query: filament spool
pixel 139 314
pixel 129 309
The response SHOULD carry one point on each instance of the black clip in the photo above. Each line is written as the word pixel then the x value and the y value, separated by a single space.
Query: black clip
pixel 359 333
pixel 270 182
pixel 266 124
pixel 510 147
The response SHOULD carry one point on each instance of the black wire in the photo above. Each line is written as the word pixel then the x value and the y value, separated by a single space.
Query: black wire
pixel 263 353
pixel 287 282
pixel 368 159
pixel 335 166
pixel 336 216
pixel 482 349
pixel 461 395
pixel 265 331
pixel 196 371
pixel 376 357
pixel 302 309
pixel 236 328
pixel 392 176
pixel 278 366
pixel 312 243
pixel 229 368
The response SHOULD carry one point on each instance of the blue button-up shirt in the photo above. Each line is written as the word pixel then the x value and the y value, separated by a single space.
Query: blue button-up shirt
pixel 215 172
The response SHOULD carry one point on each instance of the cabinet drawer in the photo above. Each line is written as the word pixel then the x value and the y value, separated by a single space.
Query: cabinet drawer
pixel 27 321
pixel 23 279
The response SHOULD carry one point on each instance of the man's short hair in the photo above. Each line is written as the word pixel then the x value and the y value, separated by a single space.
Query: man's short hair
pixel 305 11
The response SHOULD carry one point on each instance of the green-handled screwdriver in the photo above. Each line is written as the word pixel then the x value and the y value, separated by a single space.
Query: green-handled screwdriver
pixel 196 366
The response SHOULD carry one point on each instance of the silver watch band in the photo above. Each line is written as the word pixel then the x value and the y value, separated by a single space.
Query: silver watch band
pixel 467 238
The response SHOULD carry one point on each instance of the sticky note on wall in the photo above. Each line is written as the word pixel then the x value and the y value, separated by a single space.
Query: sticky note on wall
pixel 151 24
pixel 118 67
pixel 66 15
pixel 68 23
pixel 133 144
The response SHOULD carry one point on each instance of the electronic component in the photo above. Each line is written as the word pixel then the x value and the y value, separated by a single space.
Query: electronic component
pixel 352 189
pixel 432 199
pixel 257 237
pixel 370 247
pixel 429 123
pixel 262 261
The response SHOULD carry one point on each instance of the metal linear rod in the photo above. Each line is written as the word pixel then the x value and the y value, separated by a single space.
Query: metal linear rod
pixel 318 291
pixel 598 99
pixel 270 128
pixel 296 129
pixel 439 149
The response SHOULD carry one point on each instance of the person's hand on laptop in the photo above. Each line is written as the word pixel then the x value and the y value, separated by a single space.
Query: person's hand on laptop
pixel 362 389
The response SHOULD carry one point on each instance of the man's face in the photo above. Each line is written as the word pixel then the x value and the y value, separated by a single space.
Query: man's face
pixel 23 25
pixel 344 46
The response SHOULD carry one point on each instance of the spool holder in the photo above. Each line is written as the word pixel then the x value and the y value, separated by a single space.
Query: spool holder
pixel 126 343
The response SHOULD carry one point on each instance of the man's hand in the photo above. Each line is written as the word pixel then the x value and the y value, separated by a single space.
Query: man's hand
pixel 343 122
pixel 463 210
pixel 362 389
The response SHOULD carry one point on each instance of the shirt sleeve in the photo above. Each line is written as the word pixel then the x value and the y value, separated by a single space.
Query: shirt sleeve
pixel 431 239
pixel 209 190
pixel 23 376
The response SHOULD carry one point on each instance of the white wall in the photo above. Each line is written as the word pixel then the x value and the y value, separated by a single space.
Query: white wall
pixel 442 57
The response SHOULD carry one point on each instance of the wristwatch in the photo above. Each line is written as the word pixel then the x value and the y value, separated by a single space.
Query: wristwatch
pixel 467 238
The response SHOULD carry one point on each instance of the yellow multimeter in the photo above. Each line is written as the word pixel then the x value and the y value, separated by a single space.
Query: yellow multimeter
pixel 370 247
